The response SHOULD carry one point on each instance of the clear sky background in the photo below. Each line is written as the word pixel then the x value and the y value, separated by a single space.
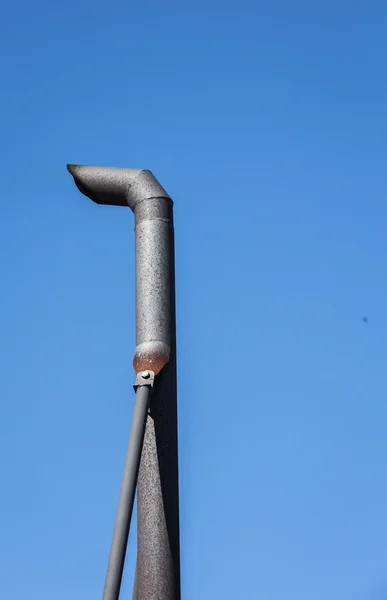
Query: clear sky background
pixel 266 122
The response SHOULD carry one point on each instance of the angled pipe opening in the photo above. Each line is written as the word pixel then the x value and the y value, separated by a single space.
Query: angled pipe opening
pixel 117 187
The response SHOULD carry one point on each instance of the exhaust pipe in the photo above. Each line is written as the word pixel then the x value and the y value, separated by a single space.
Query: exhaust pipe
pixel 158 552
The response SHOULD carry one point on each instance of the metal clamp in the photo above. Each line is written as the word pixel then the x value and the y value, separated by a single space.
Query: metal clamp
pixel 144 378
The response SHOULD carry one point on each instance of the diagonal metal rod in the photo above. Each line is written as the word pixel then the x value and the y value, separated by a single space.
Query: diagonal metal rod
pixel 127 494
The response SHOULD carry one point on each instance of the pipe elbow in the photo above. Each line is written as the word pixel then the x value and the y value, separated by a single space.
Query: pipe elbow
pixel 117 187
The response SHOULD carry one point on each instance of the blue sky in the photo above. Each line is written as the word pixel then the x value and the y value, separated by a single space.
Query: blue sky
pixel 266 122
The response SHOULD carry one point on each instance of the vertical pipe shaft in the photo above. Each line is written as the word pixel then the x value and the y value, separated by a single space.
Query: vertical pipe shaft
pixel 158 559
pixel 127 494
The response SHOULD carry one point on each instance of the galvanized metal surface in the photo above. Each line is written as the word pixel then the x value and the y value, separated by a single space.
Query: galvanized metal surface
pixel 117 187
pixel 158 502
pixel 158 559
pixel 154 285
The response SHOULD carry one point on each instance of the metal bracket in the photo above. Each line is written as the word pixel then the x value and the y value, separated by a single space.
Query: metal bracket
pixel 144 378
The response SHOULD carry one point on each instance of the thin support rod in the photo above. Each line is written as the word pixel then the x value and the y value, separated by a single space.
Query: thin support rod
pixel 127 494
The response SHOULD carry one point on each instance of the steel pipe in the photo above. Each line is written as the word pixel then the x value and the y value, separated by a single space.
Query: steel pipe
pixel 158 553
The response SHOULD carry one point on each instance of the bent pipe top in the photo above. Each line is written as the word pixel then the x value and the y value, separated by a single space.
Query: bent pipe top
pixel 117 187
pixel 154 249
